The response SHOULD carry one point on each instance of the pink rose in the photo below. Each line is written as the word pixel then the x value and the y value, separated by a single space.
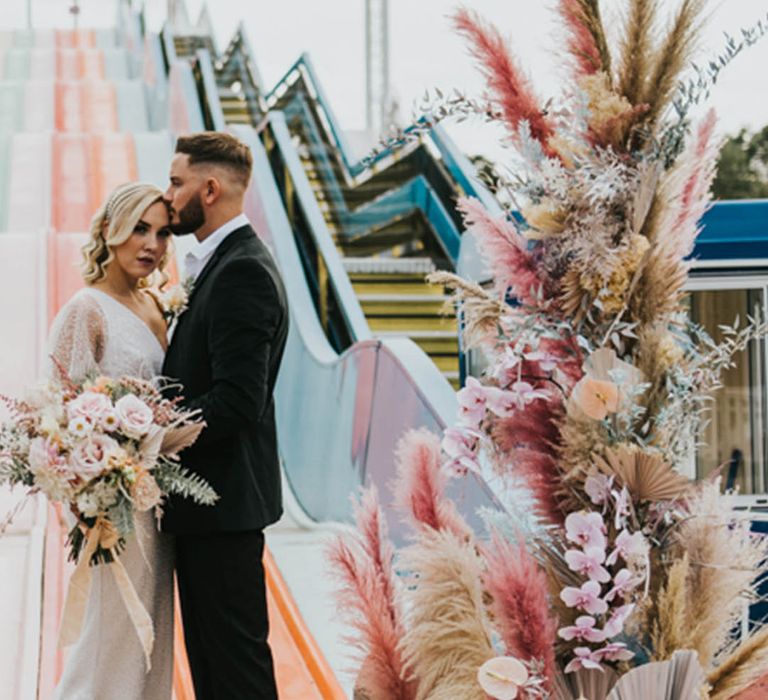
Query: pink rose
pixel 134 415
pixel 89 457
pixel 91 406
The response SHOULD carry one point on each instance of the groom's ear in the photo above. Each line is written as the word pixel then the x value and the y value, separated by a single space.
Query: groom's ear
pixel 211 191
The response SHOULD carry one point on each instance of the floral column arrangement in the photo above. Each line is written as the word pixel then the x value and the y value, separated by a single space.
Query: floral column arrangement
pixel 608 573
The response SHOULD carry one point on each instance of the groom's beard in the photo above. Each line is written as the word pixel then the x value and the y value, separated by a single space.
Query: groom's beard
pixel 191 217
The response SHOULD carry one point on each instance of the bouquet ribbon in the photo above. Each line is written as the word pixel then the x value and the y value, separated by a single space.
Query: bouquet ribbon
pixel 80 586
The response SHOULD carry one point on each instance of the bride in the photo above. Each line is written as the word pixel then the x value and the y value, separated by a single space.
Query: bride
pixel 114 326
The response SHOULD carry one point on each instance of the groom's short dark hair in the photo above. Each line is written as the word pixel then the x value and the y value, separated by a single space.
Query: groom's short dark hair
pixel 218 148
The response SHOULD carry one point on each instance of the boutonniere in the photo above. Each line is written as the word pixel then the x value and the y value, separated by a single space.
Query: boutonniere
pixel 174 300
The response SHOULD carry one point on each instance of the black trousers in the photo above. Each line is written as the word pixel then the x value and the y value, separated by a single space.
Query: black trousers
pixel 224 610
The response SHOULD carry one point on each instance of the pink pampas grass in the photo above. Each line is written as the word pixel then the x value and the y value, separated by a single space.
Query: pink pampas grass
pixel 520 607
pixel 508 87
pixel 420 485
pixel 538 471
pixel 363 564
pixel 535 427
pixel 701 157
pixel 581 40
pixel 504 249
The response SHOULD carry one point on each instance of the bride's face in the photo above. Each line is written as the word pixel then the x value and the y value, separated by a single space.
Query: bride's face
pixel 141 254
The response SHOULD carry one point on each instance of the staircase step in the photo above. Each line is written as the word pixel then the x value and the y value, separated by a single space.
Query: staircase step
pixel 413 325
pixel 401 305
pixel 446 363
pixel 379 286
pixel 370 265
pixel 431 342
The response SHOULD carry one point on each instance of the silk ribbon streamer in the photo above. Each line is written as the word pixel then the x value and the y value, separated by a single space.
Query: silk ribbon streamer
pixel 80 586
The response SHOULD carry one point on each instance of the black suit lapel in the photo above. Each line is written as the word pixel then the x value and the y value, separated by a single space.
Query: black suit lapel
pixel 240 234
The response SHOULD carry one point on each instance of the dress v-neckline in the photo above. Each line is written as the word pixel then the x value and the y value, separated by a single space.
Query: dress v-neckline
pixel 133 314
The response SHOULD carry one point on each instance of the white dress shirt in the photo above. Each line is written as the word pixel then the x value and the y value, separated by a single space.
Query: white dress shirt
pixel 196 259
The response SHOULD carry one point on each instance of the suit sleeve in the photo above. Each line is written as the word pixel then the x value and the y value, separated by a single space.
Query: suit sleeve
pixel 244 314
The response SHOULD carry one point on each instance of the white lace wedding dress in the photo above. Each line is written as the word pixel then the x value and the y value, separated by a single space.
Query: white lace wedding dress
pixel 95 331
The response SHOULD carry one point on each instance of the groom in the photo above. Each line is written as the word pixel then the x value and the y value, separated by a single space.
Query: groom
pixel 225 354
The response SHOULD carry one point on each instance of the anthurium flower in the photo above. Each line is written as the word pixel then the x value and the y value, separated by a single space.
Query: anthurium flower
pixel 586 598
pixel 599 392
pixel 596 398
pixel 502 677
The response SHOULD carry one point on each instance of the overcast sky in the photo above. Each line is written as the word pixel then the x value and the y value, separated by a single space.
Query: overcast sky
pixel 424 51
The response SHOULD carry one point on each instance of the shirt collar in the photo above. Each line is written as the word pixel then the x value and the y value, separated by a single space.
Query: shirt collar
pixel 205 248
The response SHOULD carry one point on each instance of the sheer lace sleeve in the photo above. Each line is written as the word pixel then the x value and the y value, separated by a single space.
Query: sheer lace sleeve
pixel 77 338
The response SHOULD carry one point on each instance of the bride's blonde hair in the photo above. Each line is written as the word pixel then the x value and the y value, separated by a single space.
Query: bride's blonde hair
pixel 113 224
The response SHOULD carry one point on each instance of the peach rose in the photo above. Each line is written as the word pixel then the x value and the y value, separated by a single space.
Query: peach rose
pixel 146 493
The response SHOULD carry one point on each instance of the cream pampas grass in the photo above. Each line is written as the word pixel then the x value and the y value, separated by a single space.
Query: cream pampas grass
pixel 741 668
pixel 481 311
pixel 637 48
pixel 724 558
pixel 672 626
pixel 673 55
pixel 448 635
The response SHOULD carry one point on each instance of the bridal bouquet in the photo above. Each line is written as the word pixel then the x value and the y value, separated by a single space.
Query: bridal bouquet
pixel 105 449
pixel 607 573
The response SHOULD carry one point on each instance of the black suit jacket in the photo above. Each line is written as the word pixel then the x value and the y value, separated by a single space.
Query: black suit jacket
pixel 225 352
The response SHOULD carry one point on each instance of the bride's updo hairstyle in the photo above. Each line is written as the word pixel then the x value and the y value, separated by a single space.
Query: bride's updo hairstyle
pixel 113 224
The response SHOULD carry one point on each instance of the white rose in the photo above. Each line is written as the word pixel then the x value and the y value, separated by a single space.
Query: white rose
pixel 134 415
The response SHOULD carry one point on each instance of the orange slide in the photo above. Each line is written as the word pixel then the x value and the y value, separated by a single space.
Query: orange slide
pixel 85 168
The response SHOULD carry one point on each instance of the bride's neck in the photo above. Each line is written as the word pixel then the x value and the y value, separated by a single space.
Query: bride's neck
pixel 119 285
